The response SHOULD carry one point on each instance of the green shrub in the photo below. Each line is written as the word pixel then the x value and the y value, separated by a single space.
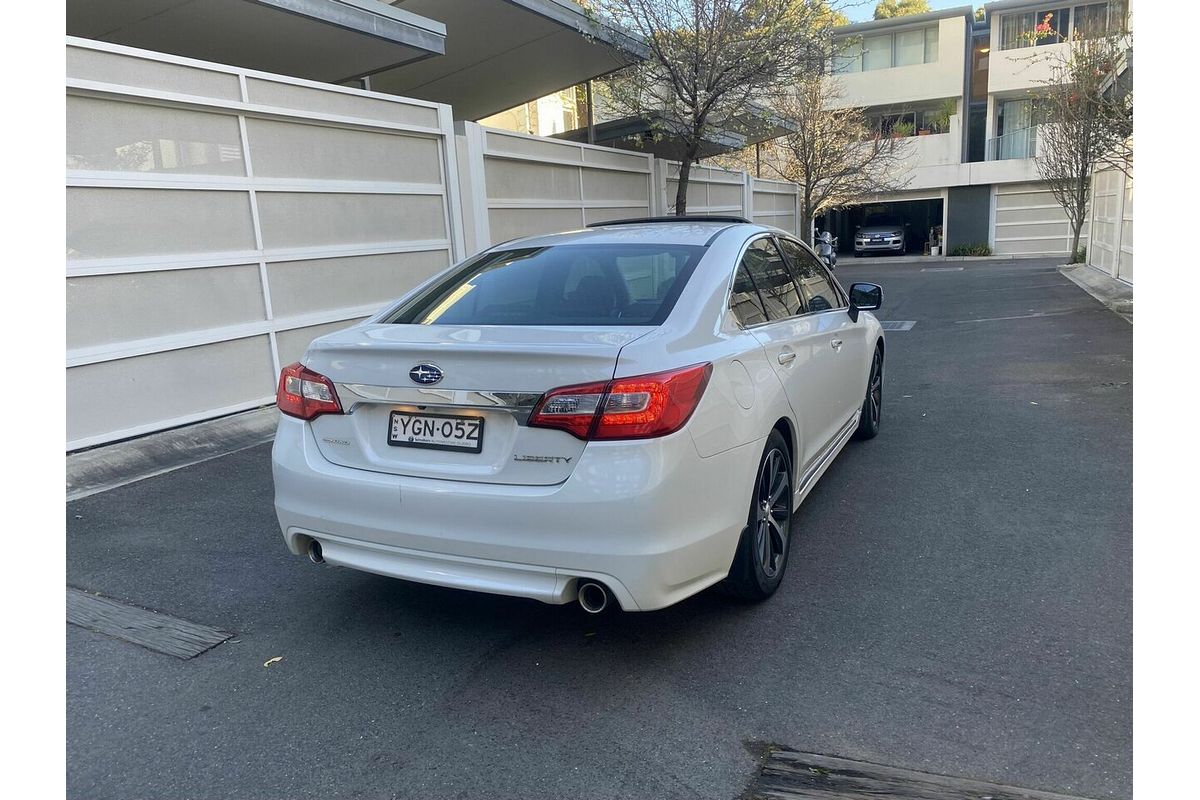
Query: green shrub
pixel 977 249
pixel 1080 256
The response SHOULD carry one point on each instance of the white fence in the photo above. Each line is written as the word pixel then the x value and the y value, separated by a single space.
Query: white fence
pixel 519 185
pixel 219 219
pixel 775 203
pixel 1111 238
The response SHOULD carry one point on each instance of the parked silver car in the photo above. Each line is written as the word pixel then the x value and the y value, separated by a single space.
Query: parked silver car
pixel 880 234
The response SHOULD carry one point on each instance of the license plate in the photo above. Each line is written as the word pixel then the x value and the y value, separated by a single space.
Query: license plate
pixel 436 432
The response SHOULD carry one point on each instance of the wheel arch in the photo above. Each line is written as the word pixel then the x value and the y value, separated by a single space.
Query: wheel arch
pixel 787 430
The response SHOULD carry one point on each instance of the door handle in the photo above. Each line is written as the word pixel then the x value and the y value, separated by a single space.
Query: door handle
pixel 787 358
pixel 836 344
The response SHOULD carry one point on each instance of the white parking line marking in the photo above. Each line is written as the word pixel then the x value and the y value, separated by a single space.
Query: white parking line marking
pixel 941 269
pixel 898 324
pixel 1019 316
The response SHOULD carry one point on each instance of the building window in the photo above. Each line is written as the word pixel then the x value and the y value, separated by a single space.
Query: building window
pixel 910 48
pixel 1053 25
pixel 877 52
pixel 887 50
pixel 931 45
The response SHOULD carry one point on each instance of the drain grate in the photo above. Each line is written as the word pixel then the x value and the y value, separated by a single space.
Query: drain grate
pixel 898 324
pixel 157 632
pixel 791 775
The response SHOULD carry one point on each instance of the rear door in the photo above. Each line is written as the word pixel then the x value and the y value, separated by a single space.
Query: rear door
pixel 843 341
pixel 796 348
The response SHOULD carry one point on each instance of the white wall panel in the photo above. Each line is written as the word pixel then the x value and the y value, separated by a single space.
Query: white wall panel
pixel 287 149
pixel 310 286
pixel 124 397
pixel 105 222
pixel 218 219
pixel 102 309
pixel 112 135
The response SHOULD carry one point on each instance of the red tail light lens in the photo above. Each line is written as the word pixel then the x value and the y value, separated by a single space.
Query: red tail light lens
pixel 306 394
pixel 640 407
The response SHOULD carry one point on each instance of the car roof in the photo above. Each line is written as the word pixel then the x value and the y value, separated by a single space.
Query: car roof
pixel 686 231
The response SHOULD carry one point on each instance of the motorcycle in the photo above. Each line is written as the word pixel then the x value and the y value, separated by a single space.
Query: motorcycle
pixel 827 248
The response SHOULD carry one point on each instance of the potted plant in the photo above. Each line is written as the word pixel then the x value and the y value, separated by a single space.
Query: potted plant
pixel 902 129
pixel 941 120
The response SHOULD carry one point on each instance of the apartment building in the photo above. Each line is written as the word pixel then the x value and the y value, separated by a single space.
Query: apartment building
pixel 962 92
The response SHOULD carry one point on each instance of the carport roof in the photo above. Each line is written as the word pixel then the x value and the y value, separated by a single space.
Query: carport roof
pixel 324 40
pixel 480 56
pixel 501 53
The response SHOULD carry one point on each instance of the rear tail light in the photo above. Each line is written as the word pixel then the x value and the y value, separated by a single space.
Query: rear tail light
pixel 306 394
pixel 640 407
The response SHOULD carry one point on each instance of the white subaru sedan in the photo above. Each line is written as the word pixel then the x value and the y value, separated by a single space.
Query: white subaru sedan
pixel 626 414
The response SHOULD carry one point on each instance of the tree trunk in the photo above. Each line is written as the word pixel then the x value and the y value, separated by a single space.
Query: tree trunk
pixel 1076 229
pixel 805 228
pixel 685 170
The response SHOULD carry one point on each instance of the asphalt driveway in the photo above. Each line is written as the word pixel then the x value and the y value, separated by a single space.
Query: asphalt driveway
pixel 958 600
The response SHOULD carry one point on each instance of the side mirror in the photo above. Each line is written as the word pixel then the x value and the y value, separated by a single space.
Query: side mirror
pixel 864 297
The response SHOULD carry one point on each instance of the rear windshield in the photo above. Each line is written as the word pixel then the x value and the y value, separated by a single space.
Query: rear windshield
pixel 571 284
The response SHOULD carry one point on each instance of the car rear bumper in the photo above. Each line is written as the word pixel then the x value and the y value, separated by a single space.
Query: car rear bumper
pixel 652 520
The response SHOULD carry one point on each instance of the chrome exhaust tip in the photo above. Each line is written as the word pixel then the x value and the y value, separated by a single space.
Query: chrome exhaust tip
pixel 593 597
pixel 314 552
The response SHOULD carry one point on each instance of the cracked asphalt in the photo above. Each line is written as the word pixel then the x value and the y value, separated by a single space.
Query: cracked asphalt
pixel 958 600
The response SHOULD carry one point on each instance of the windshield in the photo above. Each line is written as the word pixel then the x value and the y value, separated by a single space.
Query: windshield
pixel 571 284
pixel 882 222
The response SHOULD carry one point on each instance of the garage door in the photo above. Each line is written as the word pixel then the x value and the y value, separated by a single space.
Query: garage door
pixel 219 219
pixel 1029 221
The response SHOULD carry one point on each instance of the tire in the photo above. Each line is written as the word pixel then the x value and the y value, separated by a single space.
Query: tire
pixel 756 573
pixel 858 254
pixel 872 408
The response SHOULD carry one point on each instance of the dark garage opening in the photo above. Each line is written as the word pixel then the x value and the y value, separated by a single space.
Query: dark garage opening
pixel 918 216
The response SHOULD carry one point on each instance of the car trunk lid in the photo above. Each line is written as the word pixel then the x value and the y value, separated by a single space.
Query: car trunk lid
pixel 492 376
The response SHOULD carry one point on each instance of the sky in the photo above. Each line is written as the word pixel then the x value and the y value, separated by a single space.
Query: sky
pixel 863 10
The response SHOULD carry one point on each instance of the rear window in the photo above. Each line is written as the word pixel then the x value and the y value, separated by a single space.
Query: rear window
pixel 572 284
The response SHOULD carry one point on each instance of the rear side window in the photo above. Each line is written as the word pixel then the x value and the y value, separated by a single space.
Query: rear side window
pixel 815 284
pixel 571 284
pixel 745 302
pixel 770 274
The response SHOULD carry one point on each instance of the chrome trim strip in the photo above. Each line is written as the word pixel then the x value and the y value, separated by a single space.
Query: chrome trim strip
pixel 831 450
pixel 519 404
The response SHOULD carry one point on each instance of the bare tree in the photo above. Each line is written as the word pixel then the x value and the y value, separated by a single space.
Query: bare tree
pixel 1087 122
pixel 710 61
pixel 834 154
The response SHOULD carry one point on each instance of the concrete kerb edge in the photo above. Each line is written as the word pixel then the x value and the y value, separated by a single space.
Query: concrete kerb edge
pixel 110 466
pixel 1113 294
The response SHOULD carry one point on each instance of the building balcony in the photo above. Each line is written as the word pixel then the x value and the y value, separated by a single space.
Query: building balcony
pixel 1023 68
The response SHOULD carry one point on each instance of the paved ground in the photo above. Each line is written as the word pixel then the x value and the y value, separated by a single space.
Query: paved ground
pixel 958 601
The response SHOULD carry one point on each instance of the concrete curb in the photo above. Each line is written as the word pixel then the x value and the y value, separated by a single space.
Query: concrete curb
pixel 847 260
pixel 1113 294
pixel 103 468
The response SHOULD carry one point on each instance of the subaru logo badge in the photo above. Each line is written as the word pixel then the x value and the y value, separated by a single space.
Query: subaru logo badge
pixel 425 373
